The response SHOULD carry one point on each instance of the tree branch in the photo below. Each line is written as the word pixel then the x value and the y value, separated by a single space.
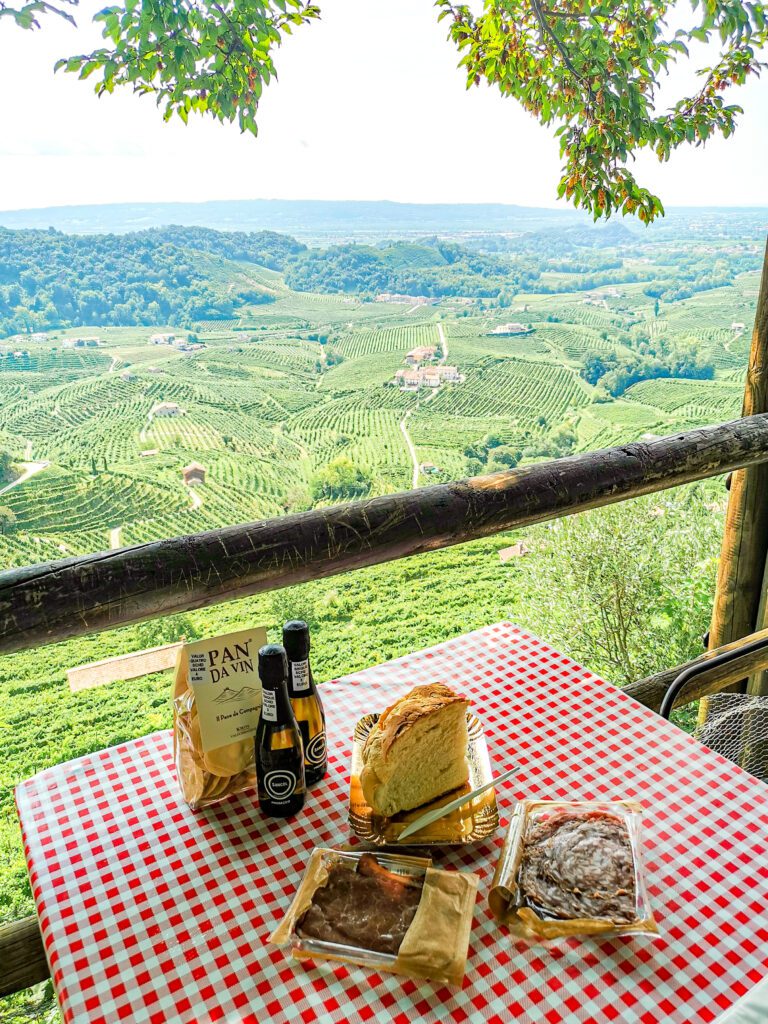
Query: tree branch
pixel 547 30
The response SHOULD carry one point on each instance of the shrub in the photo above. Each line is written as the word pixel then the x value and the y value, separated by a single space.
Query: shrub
pixel 341 478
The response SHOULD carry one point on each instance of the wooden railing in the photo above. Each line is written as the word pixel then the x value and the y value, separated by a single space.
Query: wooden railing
pixel 45 603
pixel 650 691
pixel 41 604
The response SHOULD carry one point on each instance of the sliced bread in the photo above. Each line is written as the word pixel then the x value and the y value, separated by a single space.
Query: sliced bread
pixel 417 751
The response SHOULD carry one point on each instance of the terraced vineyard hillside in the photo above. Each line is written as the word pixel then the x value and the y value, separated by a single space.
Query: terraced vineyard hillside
pixel 276 395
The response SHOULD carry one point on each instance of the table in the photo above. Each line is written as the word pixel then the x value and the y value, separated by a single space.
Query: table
pixel 151 913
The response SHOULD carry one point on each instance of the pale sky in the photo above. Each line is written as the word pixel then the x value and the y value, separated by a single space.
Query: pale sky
pixel 369 105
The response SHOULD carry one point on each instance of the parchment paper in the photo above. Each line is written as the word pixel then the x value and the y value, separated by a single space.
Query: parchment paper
pixel 434 946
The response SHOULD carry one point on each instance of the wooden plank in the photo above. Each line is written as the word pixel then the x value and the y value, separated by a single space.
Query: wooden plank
pixel 757 684
pixel 22 956
pixel 75 596
pixel 745 540
pixel 122 666
pixel 650 691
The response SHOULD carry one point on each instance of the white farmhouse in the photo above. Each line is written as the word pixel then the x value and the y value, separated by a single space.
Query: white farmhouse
pixel 167 409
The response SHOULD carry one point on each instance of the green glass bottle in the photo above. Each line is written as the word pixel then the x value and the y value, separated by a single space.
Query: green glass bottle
pixel 279 748
pixel 305 700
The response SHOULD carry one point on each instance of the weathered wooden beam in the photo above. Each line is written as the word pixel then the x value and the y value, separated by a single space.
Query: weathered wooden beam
pixel 122 666
pixel 22 956
pixel 650 691
pixel 758 684
pixel 745 539
pixel 71 597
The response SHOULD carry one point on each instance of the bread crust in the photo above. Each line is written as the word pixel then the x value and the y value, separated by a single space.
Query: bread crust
pixel 421 701
pixel 379 754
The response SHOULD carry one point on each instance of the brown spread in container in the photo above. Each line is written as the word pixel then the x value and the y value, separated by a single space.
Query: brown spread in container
pixel 369 908
pixel 577 865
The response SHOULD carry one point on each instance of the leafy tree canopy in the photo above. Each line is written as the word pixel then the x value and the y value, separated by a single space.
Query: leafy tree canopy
pixel 591 68
pixel 594 70
pixel 617 373
pixel 341 478
pixel 160 276
pixel 6 467
pixel 7 518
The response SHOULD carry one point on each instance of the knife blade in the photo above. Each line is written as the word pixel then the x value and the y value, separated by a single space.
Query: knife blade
pixel 439 812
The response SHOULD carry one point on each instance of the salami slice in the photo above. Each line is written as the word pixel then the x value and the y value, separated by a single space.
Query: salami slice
pixel 579 866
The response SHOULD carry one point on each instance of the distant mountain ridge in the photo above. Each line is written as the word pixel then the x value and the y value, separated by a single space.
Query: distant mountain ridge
pixel 326 221
pixel 303 218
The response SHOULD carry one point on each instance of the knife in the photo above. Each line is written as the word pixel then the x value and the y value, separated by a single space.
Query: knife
pixel 426 819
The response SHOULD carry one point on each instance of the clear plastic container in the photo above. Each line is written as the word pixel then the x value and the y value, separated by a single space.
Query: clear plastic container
pixel 434 941
pixel 398 864
pixel 571 868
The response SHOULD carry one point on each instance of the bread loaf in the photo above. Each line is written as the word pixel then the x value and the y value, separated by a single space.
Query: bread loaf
pixel 417 751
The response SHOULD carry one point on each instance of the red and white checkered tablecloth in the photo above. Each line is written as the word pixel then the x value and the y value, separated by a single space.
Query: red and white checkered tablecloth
pixel 151 913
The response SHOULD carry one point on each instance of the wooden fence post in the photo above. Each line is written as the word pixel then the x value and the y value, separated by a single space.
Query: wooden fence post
pixel 737 606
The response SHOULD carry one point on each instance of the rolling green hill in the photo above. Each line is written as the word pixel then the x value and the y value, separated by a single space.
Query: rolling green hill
pixel 277 393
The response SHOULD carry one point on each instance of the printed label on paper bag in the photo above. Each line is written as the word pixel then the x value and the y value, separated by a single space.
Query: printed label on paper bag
pixel 223 674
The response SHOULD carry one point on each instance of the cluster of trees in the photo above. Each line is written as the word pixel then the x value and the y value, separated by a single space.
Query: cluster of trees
pixel 492 455
pixel 641 575
pixel 691 274
pixel 332 358
pixel 617 373
pixel 163 275
pixel 556 443
pixel 562 241
pixel 6 467
pixel 49 279
pixel 583 263
pixel 434 267
pixel 7 519
pixel 340 480
pixel 267 248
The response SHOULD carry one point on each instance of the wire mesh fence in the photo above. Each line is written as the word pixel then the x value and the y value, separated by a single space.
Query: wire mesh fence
pixel 737 728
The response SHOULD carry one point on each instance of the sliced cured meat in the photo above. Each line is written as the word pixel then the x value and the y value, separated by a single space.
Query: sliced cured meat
pixel 370 908
pixel 579 866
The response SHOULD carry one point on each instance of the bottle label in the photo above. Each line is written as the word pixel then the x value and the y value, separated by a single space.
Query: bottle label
pixel 300 675
pixel 269 705
pixel 222 672
pixel 280 785
pixel 315 751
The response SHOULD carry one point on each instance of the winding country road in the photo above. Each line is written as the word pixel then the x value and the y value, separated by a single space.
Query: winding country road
pixel 30 469
pixel 411 448
pixel 430 396
pixel 443 345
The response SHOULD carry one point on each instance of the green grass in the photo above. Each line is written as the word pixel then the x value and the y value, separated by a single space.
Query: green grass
pixel 696 400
